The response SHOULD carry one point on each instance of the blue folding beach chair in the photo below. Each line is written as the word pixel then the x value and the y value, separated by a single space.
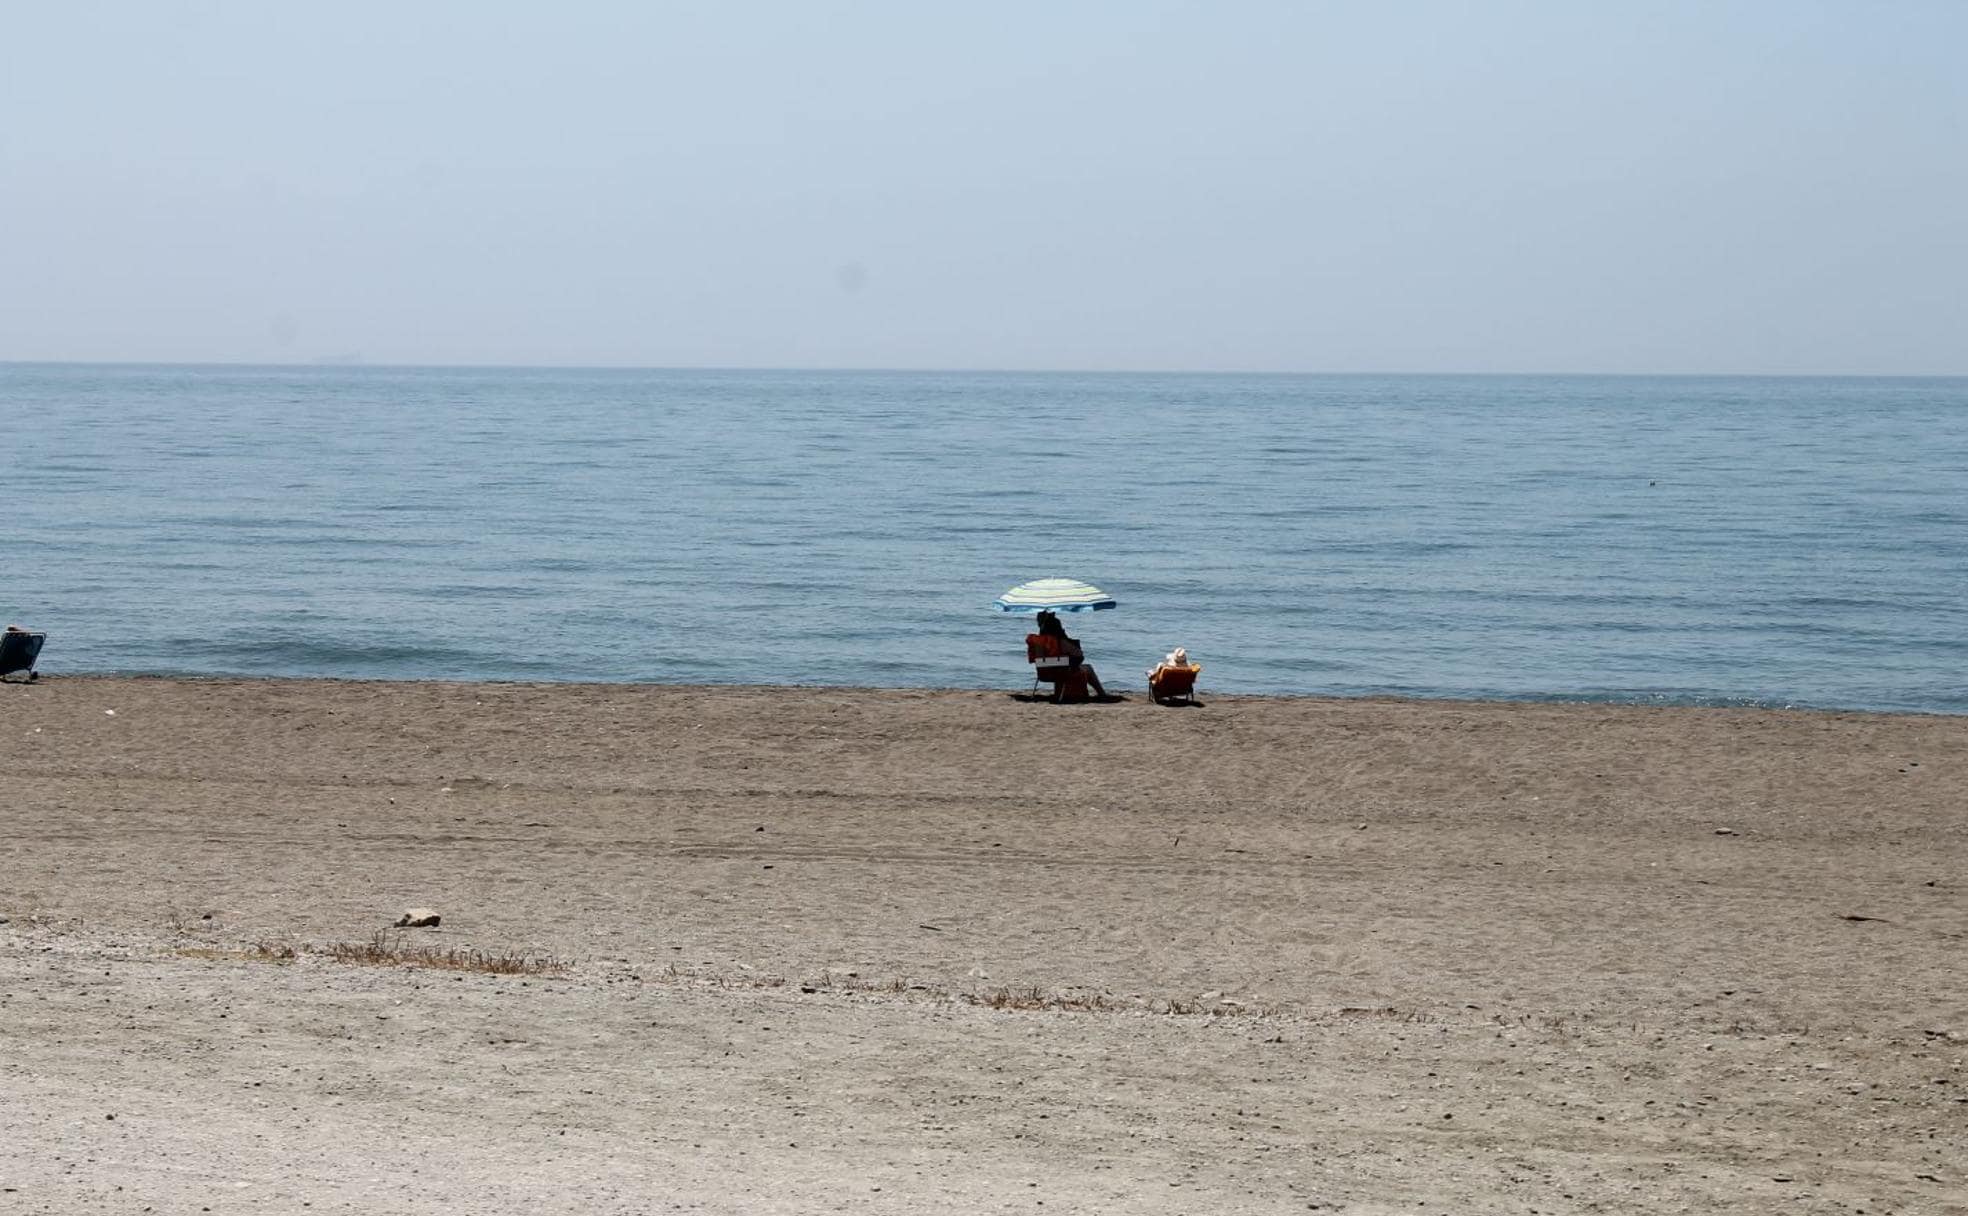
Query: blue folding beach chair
pixel 18 650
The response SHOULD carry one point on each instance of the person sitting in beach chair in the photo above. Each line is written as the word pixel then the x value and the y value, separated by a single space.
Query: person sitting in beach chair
pixel 1173 680
pixel 18 649
pixel 1049 664
pixel 1057 660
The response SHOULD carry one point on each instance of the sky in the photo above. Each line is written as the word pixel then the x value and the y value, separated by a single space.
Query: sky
pixel 1713 187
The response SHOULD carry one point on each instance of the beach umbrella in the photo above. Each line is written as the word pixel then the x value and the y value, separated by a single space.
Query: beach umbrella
pixel 1054 595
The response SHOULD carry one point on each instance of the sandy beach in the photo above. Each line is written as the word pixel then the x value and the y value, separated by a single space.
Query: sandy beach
pixel 804 950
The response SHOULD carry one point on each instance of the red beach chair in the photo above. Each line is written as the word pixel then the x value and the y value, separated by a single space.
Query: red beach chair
pixel 1050 667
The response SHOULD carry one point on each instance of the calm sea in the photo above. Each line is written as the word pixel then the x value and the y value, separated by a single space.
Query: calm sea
pixel 1766 541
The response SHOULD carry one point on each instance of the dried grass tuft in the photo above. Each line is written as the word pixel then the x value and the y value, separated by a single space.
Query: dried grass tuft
pixel 1038 999
pixel 386 949
pixel 389 950
pixel 258 952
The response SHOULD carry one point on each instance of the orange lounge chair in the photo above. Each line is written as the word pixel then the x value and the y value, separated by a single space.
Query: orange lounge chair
pixel 1172 685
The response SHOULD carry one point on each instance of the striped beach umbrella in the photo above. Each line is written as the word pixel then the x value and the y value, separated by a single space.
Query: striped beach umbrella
pixel 1054 595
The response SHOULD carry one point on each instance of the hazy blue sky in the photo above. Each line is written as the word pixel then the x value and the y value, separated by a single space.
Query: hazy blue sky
pixel 1483 186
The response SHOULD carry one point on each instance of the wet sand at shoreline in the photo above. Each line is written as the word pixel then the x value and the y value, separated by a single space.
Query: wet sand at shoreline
pixel 863 950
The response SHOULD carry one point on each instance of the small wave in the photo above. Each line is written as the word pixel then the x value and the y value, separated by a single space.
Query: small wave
pixel 328 653
pixel 480 591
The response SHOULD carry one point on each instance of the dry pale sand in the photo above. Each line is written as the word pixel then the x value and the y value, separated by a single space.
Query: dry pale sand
pixel 1367 956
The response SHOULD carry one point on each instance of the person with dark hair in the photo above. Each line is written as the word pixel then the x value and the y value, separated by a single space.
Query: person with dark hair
pixel 1056 639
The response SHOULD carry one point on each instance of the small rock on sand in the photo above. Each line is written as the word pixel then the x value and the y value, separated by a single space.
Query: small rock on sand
pixel 418 918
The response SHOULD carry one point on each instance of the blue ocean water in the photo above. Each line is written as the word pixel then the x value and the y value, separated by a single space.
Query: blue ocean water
pixel 1738 540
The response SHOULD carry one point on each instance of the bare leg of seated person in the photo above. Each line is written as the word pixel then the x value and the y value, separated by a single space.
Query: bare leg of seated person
pixel 1093 682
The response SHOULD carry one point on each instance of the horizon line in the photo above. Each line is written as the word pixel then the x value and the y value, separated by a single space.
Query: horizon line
pixel 340 364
